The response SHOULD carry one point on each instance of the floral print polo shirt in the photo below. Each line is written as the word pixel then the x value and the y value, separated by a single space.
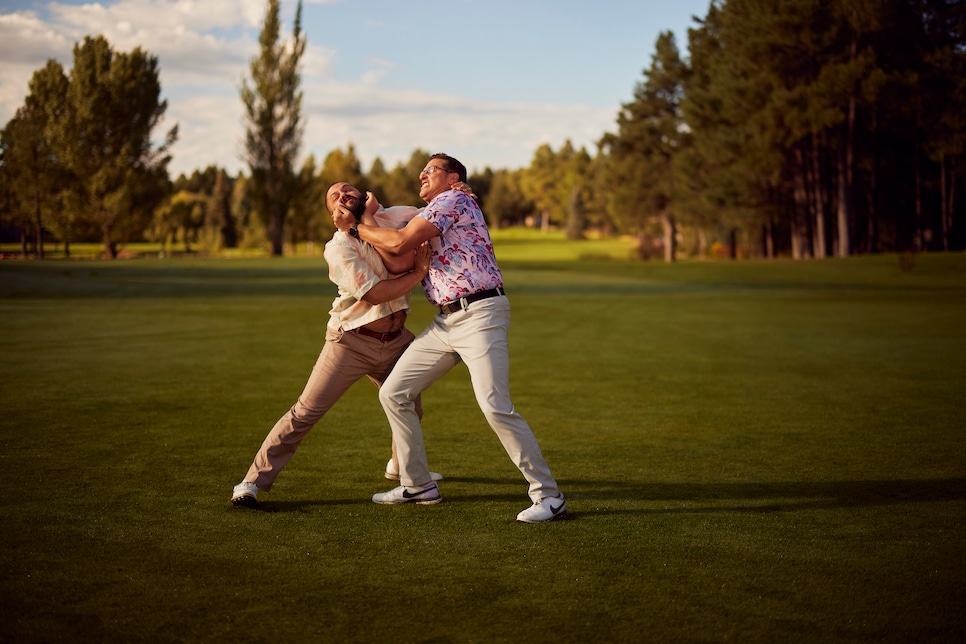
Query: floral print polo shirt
pixel 462 261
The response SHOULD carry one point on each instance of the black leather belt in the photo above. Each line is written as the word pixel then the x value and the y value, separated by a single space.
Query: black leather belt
pixel 382 337
pixel 460 304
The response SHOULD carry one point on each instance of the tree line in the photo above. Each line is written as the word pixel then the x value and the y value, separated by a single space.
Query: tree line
pixel 801 128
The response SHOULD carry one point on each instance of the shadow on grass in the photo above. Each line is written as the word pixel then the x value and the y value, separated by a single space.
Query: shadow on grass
pixel 693 498
pixel 760 497
pixel 305 504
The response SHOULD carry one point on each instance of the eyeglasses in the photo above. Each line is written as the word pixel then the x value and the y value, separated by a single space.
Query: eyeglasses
pixel 430 169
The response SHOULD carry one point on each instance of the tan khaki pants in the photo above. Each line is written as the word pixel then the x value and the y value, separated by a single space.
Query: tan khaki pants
pixel 346 357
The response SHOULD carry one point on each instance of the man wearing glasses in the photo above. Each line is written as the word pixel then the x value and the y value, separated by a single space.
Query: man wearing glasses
pixel 465 283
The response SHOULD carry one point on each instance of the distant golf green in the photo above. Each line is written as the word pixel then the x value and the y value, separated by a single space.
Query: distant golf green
pixel 751 451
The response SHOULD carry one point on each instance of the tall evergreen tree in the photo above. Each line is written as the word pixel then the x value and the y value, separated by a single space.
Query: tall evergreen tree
pixel 701 165
pixel 942 79
pixel 273 111
pixel 803 111
pixel 649 133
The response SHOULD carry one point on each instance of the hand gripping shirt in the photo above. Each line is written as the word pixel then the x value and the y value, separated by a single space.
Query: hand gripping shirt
pixel 462 261
pixel 355 267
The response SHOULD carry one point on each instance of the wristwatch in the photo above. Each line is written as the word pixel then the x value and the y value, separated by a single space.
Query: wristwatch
pixel 354 231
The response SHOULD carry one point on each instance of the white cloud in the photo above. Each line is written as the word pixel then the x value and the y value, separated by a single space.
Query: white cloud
pixel 24 38
pixel 204 47
pixel 210 132
pixel 158 17
pixel 26 43
pixel 392 124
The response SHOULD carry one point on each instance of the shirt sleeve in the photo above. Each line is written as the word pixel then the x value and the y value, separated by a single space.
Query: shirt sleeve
pixel 444 210
pixel 348 270
pixel 396 216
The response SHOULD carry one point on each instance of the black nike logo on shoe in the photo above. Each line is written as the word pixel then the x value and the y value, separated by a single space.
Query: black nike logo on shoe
pixel 407 495
pixel 556 510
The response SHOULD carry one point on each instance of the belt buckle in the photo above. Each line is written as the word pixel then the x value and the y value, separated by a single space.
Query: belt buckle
pixel 454 306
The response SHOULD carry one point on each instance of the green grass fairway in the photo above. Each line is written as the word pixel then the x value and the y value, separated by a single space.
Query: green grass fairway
pixel 751 452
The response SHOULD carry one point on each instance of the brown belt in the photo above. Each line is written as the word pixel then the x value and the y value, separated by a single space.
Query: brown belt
pixel 382 337
pixel 460 304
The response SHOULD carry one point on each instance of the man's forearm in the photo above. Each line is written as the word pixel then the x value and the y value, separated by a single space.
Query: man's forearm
pixel 385 240
pixel 390 289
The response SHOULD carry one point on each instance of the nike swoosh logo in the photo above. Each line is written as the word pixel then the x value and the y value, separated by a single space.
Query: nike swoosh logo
pixel 407 495
pixel 555 510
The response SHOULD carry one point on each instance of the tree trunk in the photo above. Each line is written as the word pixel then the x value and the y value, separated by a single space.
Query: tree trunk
pixel 920 241
pixel 846 174
pixel 944 211
pixel 845 181
pixel 842 209
pixel 38 224
pixel 768 240
pixel 670 238
pixel 952 195
pixel 642 250
pixel 873 197
pixel 801 212
pixel 276 230
pixel 110 247
pixel 819 247
pixel 797 241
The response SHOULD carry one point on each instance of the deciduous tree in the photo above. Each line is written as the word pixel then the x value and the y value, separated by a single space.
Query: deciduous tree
pixel 33 177
pixel 104 139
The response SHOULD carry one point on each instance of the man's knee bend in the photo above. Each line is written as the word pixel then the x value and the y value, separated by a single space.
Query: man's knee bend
pixel 302 416
pixel 392 399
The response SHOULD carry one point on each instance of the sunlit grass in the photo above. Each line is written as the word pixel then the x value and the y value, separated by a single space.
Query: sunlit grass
pixel 530 245
pixel 751 451
pixel 523 244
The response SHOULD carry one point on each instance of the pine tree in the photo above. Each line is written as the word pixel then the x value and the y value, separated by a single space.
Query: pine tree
pixel 650 132
pixel 273 111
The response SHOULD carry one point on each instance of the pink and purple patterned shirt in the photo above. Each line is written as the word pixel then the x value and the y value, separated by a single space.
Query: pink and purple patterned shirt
pixel 462 261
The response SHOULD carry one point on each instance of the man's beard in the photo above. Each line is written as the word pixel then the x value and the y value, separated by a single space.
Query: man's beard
pixel 357 208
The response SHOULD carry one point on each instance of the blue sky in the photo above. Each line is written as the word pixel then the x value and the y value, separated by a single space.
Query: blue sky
pixel 487 81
